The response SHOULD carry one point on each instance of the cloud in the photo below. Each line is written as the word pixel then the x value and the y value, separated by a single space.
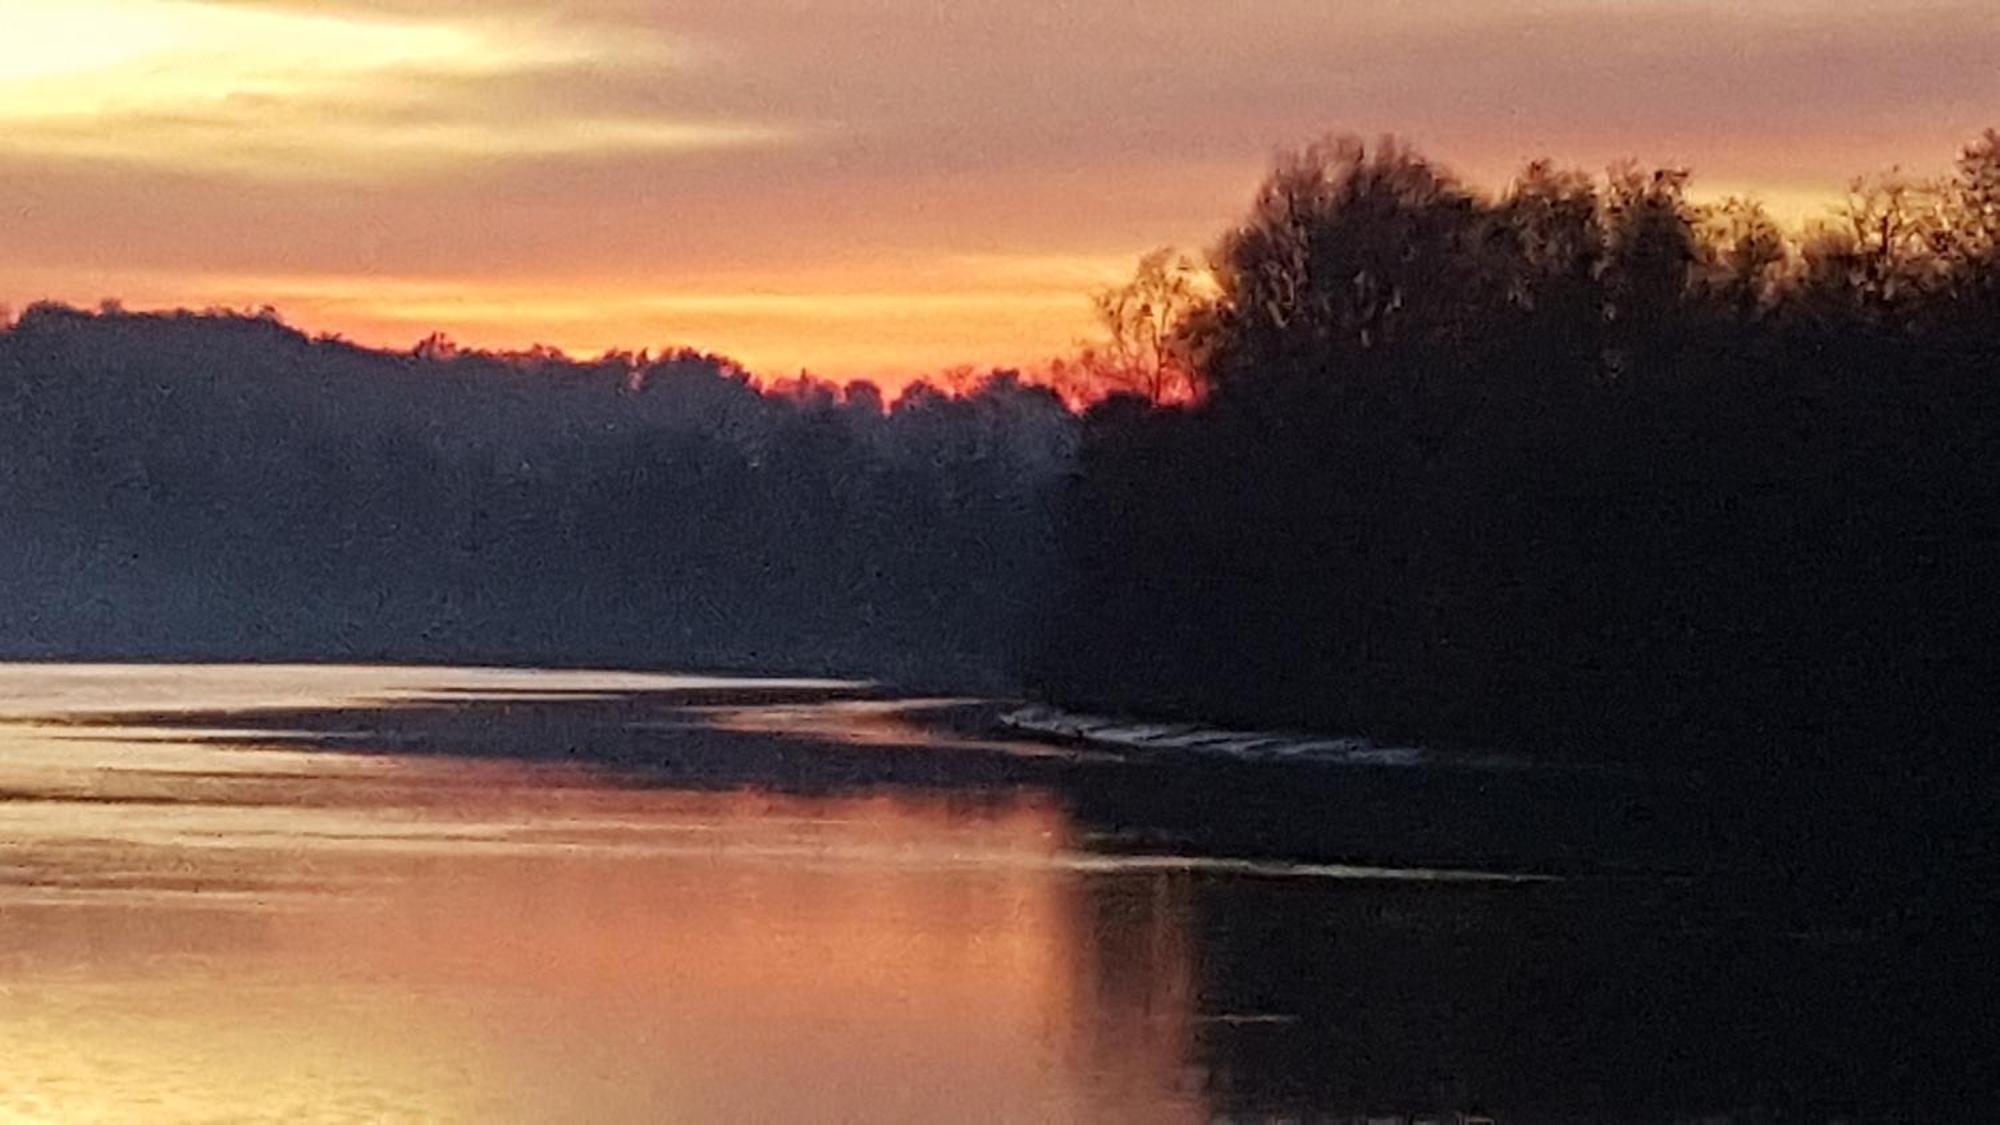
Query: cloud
pixel 295 93
pixel 294 140
pixel 983 86
pixel 586 148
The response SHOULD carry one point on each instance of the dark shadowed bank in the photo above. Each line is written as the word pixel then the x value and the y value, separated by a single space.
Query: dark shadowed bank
pixel 1588 472
pixel 222 487
pixel 1582 472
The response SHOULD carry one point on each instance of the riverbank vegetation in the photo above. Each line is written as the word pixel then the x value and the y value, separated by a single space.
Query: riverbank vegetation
pixel 1581 469
pixel 221 486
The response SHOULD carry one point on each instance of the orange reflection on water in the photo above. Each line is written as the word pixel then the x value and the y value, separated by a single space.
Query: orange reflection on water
pixel 402 939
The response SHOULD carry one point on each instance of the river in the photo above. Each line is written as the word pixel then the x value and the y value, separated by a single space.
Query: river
pixel 433 894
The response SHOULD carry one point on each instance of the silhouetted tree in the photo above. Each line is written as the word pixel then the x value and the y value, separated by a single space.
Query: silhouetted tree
pixel 1587 470
pixel 1155 334
pixel 1348 251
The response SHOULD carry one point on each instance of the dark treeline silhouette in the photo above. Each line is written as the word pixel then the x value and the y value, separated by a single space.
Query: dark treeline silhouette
pixel 1583 469
pixel 221 486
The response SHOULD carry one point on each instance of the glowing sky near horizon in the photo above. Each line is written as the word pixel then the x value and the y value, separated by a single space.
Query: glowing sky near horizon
pixel 862 187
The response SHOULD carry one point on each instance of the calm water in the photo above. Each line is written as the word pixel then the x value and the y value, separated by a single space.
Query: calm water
pixel 206 914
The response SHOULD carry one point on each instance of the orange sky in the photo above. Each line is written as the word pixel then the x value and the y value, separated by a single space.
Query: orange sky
pixel 863 187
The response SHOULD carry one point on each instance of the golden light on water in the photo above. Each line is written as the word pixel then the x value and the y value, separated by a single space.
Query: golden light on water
pixel 783 959
pixel 194 928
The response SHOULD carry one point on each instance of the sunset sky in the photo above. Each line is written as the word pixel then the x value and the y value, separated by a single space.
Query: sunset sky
pixel 862 187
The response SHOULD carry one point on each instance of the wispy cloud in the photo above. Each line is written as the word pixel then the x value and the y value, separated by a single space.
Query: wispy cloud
pixel 860 182
pixel 291 93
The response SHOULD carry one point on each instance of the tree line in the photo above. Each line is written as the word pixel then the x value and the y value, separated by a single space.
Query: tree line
pixel 220 485
pixel 1582 468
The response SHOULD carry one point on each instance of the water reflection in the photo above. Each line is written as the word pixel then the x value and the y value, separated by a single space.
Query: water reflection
pixel 220 896
pixel 722 981
pixel 192 930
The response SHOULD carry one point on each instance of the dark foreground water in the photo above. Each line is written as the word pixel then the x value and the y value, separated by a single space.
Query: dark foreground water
pixel 371 894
